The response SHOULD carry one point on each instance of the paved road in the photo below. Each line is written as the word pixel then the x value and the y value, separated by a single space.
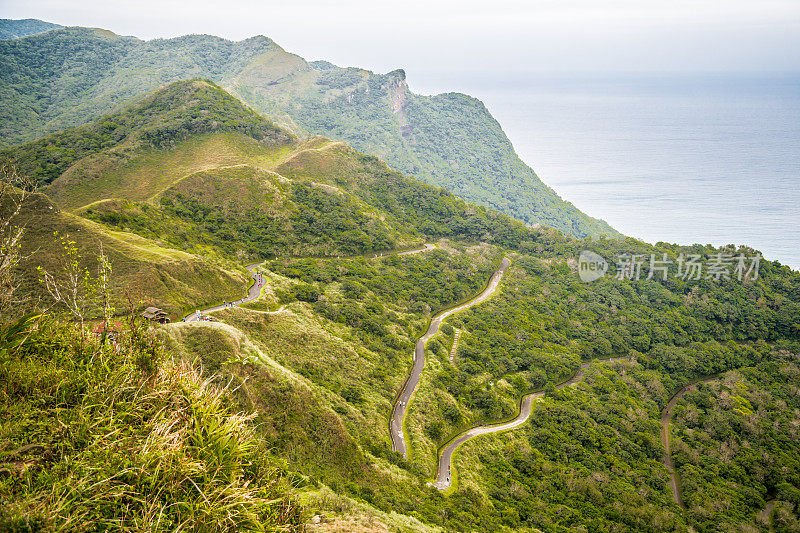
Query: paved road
pixel 252 293
pixel 399 408
pixel 443 477
pixel 666 416
pixel 425 248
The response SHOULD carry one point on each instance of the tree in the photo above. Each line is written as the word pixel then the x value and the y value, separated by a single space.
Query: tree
pixel 14 190
pixel 73 287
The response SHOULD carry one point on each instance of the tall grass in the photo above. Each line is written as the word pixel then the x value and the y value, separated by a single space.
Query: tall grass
pixel 105 437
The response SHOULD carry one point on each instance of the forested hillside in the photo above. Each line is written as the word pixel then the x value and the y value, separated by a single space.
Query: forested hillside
pixel 190 166
pixel 13 29
pixel 73 75
pixel 590 456
pixel 276 413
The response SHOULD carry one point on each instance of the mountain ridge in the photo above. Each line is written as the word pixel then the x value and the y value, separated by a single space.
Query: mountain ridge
pixel 190 165
pixel 432 138
pixel 16 28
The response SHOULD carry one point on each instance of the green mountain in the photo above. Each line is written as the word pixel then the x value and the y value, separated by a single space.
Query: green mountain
pixel 70 76
pixel 144 272
pixel 13 29
pixel 190 165
pixel 317 360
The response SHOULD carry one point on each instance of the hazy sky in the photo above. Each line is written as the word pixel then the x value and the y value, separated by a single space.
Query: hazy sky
pixel 452 39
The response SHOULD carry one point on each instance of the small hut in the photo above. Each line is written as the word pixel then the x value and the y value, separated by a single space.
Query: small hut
pixel 155 314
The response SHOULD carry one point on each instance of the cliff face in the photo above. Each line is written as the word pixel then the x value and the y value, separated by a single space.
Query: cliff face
pixel 396 89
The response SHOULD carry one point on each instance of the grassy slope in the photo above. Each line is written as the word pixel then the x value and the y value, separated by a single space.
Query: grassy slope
pixel 150 273
pixel 447 140
pixel 306 427
pixel 157 122
pixel 153 171
pixel 113 437
pixel 191 166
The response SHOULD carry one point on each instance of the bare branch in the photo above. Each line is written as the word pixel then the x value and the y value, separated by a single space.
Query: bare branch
pixel 14 191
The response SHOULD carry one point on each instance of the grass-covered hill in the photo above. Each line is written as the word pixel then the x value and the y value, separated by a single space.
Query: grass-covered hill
pixel 143 272
pixel 190 166
pixel 73 75
pixel 159 121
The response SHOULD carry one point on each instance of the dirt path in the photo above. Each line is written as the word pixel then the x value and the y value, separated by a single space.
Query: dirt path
pixel 666 416
pixel 410 385
pixel 443 477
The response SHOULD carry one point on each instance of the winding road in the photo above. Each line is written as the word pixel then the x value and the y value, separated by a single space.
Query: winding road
pixel 446 458
pixel 255 290
pixel 666 416
pixel 424 248
pixel 410 385
pixel 443 471
pixel 252 294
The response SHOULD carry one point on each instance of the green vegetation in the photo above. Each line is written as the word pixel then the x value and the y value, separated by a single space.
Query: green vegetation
pixel 112 436
pixel 266 196
pixel 13 29
pixel 319 358
pixel 142 271
pixel 295 418
pixel 736 446
pixel 590 456
pixel 160 120
pixel 70 76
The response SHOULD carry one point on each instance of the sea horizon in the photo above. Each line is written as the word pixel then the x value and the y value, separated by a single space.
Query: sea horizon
pixel 678 158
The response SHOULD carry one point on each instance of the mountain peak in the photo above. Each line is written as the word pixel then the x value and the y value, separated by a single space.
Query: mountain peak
pixel 197 106
pixel 397 73
pixel 164 117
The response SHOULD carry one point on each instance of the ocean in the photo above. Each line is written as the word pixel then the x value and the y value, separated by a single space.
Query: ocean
pixel 689 159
